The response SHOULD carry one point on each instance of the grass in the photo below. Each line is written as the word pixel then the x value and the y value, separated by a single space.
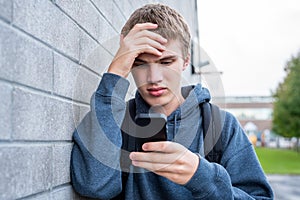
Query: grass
pixel 279 161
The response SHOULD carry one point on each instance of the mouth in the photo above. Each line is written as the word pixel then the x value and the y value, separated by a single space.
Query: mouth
pixel 156 91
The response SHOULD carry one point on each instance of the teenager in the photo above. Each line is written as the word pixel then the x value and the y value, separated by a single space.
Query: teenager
pixel 155 48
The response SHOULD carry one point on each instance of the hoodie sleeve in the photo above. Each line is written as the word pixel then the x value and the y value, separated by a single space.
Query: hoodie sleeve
pixel 238 176
pixel 95 166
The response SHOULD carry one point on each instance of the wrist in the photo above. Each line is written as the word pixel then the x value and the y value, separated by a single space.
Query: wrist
pixel 114 69
pixel 121 66
pixel 118 72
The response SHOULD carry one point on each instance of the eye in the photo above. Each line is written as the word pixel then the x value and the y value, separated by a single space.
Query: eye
pixel 137 64
pixel 166 62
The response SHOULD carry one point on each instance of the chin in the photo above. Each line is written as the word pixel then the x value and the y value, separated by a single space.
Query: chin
pixel 159 101
pixel 155 101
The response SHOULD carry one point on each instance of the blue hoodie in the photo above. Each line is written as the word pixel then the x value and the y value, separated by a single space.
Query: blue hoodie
pixel 95 166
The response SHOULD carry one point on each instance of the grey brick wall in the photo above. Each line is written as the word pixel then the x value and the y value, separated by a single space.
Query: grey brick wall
pixel 53 54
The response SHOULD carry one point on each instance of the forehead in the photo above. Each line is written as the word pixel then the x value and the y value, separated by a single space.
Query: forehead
pixel 173 48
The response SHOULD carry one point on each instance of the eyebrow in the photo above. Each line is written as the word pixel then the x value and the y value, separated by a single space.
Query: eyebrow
pixel 164 58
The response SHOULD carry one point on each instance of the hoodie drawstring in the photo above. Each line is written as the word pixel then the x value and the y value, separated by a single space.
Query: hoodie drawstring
pixel 175 125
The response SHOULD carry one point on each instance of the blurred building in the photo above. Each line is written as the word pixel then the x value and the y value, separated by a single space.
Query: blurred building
pixel 253 112
pixel 255 109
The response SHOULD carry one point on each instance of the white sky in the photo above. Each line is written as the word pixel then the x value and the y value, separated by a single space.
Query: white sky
pixel 250 41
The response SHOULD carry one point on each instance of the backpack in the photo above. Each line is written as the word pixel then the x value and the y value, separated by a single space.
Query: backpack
pixel 212 127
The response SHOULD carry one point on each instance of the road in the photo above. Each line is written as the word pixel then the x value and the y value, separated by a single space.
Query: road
pixel 286 187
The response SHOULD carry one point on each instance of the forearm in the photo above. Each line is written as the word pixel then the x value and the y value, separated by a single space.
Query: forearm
pixel 90 177
pixel 240 178
pixel 95 166
pixel 210 181
pixel 239 174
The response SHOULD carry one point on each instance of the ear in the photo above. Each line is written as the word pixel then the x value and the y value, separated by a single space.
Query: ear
pixel 186 61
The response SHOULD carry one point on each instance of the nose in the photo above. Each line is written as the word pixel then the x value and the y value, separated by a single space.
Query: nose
pixel 154 73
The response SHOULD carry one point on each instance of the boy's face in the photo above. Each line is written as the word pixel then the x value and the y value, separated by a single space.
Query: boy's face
pixel 159 78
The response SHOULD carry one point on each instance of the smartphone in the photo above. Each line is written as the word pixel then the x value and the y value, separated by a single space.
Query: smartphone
pixel 150 127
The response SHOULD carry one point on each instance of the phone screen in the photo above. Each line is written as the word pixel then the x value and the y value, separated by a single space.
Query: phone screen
pixel 150 127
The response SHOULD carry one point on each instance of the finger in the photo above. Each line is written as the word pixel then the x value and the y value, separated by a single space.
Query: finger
pixel 148 49
pixel 137 50
pixel 154 167
pixel 165 146
pixel 176 173
pixel 150 42
pixel 161 167
pixel 154 157
pixel 152 35
pixel 144 26
pixel 175 177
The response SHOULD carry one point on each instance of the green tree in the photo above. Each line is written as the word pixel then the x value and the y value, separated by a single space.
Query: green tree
pixel 286 114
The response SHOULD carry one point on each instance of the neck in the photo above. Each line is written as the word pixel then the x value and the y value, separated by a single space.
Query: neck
pixel 172 106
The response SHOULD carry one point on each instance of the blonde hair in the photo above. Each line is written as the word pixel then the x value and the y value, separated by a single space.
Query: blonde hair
pixel 171 24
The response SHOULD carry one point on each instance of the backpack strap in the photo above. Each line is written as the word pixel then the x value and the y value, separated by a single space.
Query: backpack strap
pixel 128 126
pixel 212 121
pixel 128 144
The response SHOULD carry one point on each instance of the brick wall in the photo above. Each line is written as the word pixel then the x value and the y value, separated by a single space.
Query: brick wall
pixel 52 56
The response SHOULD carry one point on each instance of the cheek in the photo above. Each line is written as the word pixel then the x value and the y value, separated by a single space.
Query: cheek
pixel 171 74
pixel 139 76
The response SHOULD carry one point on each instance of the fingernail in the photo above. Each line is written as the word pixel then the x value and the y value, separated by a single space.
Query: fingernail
pixel 131 156
pixel 159 53
pixel 145 146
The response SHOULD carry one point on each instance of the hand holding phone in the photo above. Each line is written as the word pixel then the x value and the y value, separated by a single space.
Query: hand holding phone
pixel 150 127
